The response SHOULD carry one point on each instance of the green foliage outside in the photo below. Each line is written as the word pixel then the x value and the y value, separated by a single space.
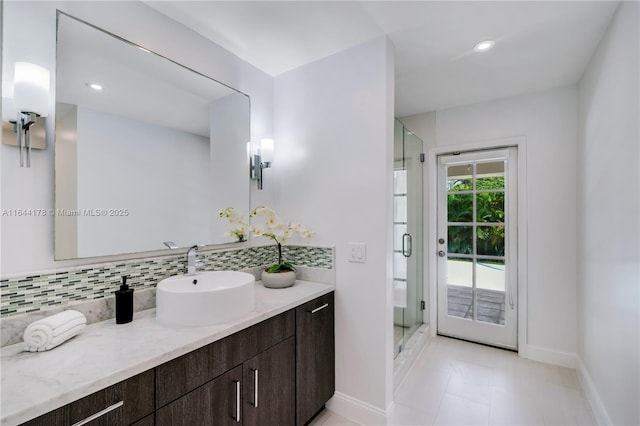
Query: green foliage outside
pixel 489 209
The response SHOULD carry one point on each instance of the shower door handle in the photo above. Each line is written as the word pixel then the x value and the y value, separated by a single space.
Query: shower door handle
pixel 407 245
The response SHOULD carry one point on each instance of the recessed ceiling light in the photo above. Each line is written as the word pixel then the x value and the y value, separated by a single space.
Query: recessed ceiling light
pixel 483 46
pixel 94 86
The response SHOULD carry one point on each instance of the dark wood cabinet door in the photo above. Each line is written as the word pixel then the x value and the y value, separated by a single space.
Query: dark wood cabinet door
pixel 269 386
pixel 218 403
pixel 315 356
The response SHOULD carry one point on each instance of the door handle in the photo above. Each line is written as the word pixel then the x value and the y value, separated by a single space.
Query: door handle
pixel 255 386
pixel 238 401
pixel 99 414
pixel 407 245
pixel 326 305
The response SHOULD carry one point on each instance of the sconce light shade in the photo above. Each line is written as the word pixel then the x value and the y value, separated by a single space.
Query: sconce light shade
pixel 260 159
pixel 266 150
pixel 9 111
pixel 31 89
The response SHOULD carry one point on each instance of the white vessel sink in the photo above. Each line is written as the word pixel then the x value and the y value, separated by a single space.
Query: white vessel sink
pixel 205 298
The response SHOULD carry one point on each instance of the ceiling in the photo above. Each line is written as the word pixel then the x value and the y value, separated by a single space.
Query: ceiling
pixel 539 44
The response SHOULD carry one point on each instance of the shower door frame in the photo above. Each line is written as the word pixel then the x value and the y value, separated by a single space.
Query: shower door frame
pixel 413 164
pixel 431 249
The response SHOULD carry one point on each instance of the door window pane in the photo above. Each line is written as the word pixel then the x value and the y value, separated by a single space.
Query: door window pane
pixel 490 292
pixel 489 207
pixel 460 178
pixel 490 241
pixel 490 306
pixel 490 175
pixel 460 239
pixel 460 207
pixel 490 274
pixel 460 272
pixel 460 302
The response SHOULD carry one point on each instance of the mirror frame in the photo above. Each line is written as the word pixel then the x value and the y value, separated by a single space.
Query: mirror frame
pixel 160 251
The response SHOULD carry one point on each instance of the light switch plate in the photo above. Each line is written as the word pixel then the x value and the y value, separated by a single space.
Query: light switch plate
pixel 357 252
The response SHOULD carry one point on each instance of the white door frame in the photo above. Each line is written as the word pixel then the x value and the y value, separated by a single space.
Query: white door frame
pixel 431 213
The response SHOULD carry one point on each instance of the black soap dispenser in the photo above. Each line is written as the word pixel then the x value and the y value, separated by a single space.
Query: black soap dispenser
pixel 124 303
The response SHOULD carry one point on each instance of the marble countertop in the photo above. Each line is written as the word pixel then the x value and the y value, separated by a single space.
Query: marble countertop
pixel 105 353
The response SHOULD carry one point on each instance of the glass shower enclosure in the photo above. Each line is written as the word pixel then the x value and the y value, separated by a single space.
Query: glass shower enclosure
pixel 408 299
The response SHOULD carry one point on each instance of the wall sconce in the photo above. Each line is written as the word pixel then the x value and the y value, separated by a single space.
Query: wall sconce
pixel 261 159
pixel 31 100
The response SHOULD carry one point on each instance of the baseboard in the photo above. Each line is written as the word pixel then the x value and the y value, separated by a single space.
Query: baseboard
pixel 550 356
pixel 590 391
pixel 356 410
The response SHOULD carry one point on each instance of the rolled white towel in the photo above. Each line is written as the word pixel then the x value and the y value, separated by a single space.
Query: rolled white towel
pixel 50 332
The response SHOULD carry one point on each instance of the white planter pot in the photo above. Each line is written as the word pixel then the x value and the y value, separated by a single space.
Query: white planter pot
pixel 278 279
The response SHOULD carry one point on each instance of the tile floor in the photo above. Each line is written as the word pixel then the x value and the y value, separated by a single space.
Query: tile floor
pixel 459 383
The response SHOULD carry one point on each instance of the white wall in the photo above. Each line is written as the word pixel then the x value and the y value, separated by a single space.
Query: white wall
pixel 333 170
pixel 609 222
pixel 29 34
pixel 423 125
pixel 548 121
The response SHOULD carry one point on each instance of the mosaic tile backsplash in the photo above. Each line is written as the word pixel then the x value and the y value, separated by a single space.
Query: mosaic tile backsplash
pixel 33 293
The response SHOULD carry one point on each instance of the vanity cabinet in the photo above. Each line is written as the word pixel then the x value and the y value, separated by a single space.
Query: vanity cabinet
pixel 277 372
pixel 315 356
pixel 247 378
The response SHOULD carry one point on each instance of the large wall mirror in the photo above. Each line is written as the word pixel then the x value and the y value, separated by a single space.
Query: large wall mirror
pixel 151 157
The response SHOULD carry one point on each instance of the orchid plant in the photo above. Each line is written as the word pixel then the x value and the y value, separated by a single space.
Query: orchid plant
pixel 280 232
pixel 238 227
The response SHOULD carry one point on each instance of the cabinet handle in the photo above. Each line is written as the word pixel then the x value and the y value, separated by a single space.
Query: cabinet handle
pixel 255 387
pixel 319 309
pixel 238 406
pixel 99 414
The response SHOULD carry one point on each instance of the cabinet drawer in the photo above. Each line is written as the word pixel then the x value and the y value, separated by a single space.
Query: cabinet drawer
pixel 123 403
pixel 55 417
pixel 275 330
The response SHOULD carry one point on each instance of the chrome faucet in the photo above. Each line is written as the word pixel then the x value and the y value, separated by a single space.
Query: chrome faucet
pixel 191 260
pixel 171 245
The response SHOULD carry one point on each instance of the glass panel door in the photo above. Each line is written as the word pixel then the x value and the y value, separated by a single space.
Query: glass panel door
pixel 477 259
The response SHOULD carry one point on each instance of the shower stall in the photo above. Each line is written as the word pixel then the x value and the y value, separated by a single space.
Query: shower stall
pixel 408 298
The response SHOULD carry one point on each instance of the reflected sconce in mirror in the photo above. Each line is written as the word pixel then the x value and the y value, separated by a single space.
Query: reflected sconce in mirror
pixel 30 101
pixel 261 159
